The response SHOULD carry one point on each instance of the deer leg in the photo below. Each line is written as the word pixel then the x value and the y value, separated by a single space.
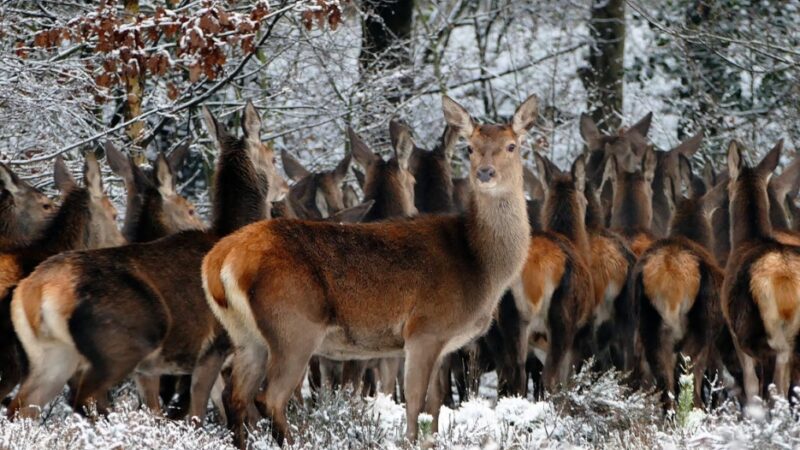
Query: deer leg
pixel 46 378
pixel 148 386
pixel 559 356
pixel 216 398
pixel 751 383
pixel 783 367
pixel 203 378
pixel 388 368
pixel 421 360
pixel 289 356
pixel 249 364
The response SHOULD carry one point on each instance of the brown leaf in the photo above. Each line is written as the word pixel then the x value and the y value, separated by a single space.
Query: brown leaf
pixel 172 91
pixel 194 72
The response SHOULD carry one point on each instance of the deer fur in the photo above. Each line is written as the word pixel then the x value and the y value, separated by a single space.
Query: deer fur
pixel 677 286
pixel 631 208
pixel 760 299
pixel 23 210
pixel 315 195
pixel 554 293
pixel 152 292
pixel 85 219
pixel 288 289
pixel 668 165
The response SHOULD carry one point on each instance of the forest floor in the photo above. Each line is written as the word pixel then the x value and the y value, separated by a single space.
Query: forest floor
pixel 595 411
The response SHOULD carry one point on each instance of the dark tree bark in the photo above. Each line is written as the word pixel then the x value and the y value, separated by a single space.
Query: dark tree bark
pixel 388 22
pixel 603 78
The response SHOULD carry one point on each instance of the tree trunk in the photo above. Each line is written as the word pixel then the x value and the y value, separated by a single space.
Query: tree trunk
pixel 133 83
pixel 388 23
pixel 603 79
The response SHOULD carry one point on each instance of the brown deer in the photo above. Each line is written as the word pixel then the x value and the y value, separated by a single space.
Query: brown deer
pixel 23 210
pixel 420 288
pixel 760 299
pixel 610 263
pixel 316 195
pixel 677 286
pixel 627 146
pixel 554 293
pixel 154 208
pixel 632 207
pixel 149 293
pixel 667 165
pixel 86 219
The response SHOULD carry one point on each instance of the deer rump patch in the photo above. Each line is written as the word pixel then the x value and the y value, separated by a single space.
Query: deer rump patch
pixel 775 287
pixel 542 272
pixel 609 268
pixel 671 281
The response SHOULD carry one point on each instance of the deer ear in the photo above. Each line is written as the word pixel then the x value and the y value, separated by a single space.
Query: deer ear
pixel 533 184
pixel 643 125
pixel 685 172
pixel 251 123
pixel 788 182
pixel 735 160
pixel 8 180
pixel 671 192
pixel 292 167
pixel 216 130
pixel 589 132
pixel 91 175
pixel 579 173
pixel 353 214
pixel 545 168
pixel 361 179
pixel 714 198
pixel 525 115
pixel 447 146
pixel 402 142
pixel 767 165
pixel 649 163
pixel 165 181
pixel 341 169
pixel 362 154
pixel 457 117
pixel 61 175
pixel 178 157
pixel 350 196
pixel 118 162
pixel 690 146
pixel 609 172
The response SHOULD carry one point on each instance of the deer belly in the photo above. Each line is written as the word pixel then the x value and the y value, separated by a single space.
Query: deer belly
pixel 344 344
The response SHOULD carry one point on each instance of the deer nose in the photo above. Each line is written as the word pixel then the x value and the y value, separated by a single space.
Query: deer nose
pixel 486 173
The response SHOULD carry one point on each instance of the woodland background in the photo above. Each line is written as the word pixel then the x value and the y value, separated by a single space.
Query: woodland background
pixel 75 73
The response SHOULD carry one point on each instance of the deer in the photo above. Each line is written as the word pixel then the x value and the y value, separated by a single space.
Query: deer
pixel 760 300
pixel 627 146
pixel 554 294
pixel 154 209
pixel 288 289
pixel 391 186
pixel 677 285
pixel 667 164
pixel 632 208
pixel 23 210
pixel 86 219
pixel 316 195
pixel 152 291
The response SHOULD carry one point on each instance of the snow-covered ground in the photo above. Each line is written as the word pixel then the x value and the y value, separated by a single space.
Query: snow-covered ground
pixel 595 411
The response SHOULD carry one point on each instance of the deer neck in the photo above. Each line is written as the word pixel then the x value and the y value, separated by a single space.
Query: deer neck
pixel 691 223
pixel 749 214
pixel 240 194
pixel 148 224
pixel 499 234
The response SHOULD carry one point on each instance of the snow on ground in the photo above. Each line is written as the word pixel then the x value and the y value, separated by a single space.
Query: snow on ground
pixel 595 411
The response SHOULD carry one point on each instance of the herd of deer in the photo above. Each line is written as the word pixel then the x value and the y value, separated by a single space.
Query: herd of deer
pixel 618 258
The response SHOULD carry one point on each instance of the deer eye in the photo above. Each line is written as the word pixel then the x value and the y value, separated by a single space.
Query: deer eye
pixel 47 206
pixel 191 212
pixel 511 147
pixel 274 160
pixel 469 150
